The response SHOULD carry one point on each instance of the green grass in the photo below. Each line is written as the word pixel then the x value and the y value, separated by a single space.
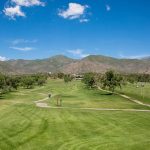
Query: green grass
pixel 141 93
pixel 75 94
pixel 23 126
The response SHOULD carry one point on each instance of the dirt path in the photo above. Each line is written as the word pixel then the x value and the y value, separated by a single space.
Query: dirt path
pixel 101 109
pixel 127 97
pixel 42 104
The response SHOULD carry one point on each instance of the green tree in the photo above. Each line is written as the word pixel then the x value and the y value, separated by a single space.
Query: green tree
pixel 2 83
pixel 41 81
pixel 60 75
pixel 68 78
pixel 13 82
pixel 111 80
pixel 28 82
pixel 89 79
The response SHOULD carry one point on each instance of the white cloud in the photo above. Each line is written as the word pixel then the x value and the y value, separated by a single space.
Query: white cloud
pixel 22 48
pixel 13 12
pixel 78 53
pixel 133 56
pixel 108 8
pixel 84 20
pixel 13 8
pixel 21 41
pixel 3 58
pixel 74 11
pixel 28 3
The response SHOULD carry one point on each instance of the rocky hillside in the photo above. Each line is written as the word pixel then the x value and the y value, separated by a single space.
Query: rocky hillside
pixel 92 63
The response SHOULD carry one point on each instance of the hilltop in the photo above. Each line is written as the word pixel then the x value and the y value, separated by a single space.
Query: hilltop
pixel 60 63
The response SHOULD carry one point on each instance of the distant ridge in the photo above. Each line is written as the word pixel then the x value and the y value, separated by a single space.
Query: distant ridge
pixel 146 58
pixel 91 63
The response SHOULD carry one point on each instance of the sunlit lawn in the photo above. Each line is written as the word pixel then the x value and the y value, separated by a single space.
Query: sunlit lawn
pixel 23 126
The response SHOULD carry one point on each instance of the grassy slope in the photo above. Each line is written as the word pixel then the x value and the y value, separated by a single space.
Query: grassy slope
pixel 143 94
pixel 23 126
pixel 74 94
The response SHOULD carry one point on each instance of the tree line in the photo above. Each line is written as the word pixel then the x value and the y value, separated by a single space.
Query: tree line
pixel 13 82
pixel 133 78
pixel 111 80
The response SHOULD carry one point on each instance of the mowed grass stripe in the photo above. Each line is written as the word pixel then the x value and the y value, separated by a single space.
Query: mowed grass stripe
pixel 19 129
pixel 24 126
pixel 137 91
pixel 80 127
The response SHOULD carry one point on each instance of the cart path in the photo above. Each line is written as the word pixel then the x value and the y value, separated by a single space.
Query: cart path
pixel 127 97
pixel 42 104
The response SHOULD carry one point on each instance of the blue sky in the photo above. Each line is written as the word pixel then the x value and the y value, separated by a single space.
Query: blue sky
pixel 31 29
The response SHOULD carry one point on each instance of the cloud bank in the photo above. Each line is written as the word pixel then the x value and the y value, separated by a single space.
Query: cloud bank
pixel 3 58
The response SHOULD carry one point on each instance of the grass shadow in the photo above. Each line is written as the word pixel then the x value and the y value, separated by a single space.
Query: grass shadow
pixel 1 97
pixel 107 94
pixel 69 96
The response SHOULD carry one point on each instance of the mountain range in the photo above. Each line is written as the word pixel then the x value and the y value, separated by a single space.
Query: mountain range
pixel 60 63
